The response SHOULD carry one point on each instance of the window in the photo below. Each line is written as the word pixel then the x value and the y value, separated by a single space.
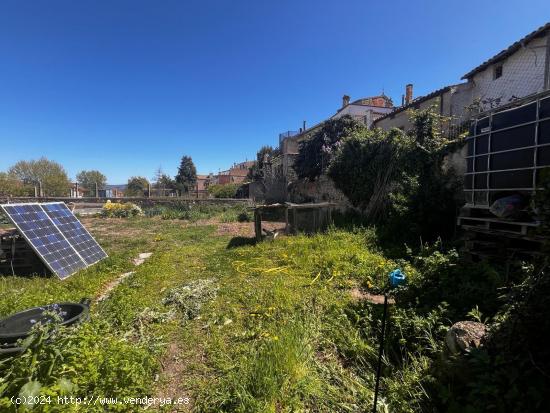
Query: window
pixel 497 72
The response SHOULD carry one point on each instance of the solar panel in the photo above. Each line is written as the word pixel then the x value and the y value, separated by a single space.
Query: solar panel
pixel 81 240
pixel 56 236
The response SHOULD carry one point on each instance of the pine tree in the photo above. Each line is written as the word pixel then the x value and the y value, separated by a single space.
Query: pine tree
pixel 187 175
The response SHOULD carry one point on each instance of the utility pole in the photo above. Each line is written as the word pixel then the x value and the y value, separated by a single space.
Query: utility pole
pixel 96 191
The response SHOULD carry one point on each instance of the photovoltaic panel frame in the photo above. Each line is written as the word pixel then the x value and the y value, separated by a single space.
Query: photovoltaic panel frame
pixel 51 241
pixel 75 233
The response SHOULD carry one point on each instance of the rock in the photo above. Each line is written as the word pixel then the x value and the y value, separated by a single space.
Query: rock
pixel 465 335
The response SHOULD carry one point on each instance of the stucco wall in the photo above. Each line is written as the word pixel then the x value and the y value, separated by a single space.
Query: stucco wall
pixel 361 113
pixel 522 75
pixel 451 103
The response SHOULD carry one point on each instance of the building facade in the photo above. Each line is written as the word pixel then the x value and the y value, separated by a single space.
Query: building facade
pixel 518 71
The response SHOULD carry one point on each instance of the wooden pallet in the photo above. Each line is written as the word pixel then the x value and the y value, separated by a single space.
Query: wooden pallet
pixel 483 244
pixel 497 225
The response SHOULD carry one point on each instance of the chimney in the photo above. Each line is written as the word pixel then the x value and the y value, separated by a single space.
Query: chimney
pixel 345 101
pixel 408 93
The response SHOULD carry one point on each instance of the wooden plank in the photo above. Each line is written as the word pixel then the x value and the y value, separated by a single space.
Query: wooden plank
pixel 258 224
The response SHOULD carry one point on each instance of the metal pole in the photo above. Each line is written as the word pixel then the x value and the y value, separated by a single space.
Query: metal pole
pixel 96 191
pixel 380 351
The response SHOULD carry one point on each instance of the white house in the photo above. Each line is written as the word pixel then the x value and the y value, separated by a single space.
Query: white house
pixel 520 70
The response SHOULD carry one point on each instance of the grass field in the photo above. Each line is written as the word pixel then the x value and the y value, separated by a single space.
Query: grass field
pixel 232 326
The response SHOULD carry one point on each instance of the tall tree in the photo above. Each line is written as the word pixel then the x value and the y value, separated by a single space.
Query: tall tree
pixel 137 186
pixel 256 171
pixel 49 174
pixel 88 180
pixel 187 175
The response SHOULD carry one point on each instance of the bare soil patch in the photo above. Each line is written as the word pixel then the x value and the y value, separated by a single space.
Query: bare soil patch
pixel 360 295
pixel 172 378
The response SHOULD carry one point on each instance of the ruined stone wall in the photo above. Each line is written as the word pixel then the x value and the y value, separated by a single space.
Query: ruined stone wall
pixel 320 190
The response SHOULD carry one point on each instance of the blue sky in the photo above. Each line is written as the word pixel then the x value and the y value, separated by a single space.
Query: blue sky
pixel 128 86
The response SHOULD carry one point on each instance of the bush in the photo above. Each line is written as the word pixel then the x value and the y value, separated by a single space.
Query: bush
pixel 398 179
pixel 223 191
pixel 77 361
pixel 316 152
pixel 120 210
pixel 194 212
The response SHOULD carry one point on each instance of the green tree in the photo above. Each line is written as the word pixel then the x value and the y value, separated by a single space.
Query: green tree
pixel 12 186
pixel 366 166
pixel 88 180
pixel 49 174
pixel 398 179
pixel 163 183
pixel 137 186
pixel 256 172
pixel 223 191
pixel 316 151
pixel 187 175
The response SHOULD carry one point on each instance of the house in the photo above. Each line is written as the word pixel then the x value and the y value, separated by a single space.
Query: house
pixel 239 171
pixel 452 101
pixel 202 183
pixel 235 175
pixel 365 110
pixel 518 71
pixel 77 191
pixel 112 191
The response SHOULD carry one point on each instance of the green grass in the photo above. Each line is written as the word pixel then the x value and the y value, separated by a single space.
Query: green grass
pixel 274 329
pixel 193 213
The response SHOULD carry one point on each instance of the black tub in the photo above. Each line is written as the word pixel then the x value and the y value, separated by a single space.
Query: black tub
pixel 18 325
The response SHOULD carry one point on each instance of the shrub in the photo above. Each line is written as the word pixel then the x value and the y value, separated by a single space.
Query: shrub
pixel 398 179
pixel 223 191
pixel 120 210
pixel 77 361
pixel 194 212
pixel 316 152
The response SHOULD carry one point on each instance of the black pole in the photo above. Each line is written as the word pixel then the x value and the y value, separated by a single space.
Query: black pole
pixel 380 351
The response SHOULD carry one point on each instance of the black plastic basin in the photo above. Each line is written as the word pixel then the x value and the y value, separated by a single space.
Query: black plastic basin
pixel 19 325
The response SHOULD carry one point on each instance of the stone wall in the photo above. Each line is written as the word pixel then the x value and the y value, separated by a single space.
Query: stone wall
pixel 320 190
